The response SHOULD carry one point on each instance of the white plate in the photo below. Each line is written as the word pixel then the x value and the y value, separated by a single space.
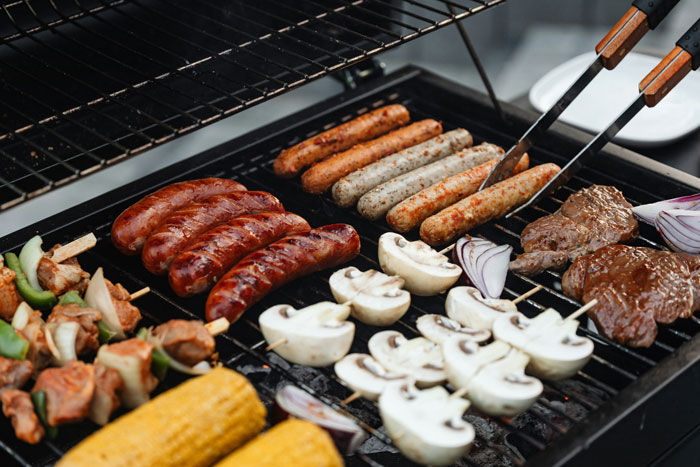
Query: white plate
pixel 677 115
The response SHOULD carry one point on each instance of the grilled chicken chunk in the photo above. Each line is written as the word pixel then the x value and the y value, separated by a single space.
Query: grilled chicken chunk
pixel 129 315
pixel 188 342
pixel 17 405
pixel 9 297
pixel 108 386
pixel 63 277
pixel 14 373
pixel 69 392
pixel 38 354
pixel 87 339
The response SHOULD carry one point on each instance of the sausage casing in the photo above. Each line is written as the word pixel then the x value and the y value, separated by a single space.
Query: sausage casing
pixel 320 177
pixel 200 265
pixel 376 202
pixel 287 259
pixel 184 225
pixel 350 188
pixel 134 225
pixel 482 206
pixel 409 213
pixel 363 128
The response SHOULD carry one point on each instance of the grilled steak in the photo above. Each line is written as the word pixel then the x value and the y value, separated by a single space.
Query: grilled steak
pixel 636 288
pixel 589 219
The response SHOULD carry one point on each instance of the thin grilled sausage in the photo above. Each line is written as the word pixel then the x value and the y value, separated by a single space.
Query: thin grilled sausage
pixel 376 202
pixel 292 161
pixel 200 265
pixel 184 225
pixel 484 205
pixel 320 177
pixel 348 189
pixel 409 213
pixel 273 266
pixel 135 224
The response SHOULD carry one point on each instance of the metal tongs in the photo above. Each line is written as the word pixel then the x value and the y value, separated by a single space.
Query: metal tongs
pixel 684 58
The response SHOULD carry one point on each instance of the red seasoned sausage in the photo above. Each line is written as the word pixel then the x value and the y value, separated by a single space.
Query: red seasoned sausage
pixel 184 225
pixel 365 127
pixel 200 265
pixel 273 266
pixel 132 227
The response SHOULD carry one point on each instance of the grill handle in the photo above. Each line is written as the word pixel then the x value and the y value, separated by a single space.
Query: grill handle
pixel 684 58
pixel 639 19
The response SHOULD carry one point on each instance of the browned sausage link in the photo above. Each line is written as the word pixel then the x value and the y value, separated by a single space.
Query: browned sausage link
pixel 484 205
pixel 132 227
pixel 368 126
pixel 408 214
pixel 320 177
pixel 283 261
pixel 201 264
pixel 184 225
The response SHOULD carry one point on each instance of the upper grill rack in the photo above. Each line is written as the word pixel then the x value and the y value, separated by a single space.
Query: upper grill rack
pixel 89 83
pixel 559 414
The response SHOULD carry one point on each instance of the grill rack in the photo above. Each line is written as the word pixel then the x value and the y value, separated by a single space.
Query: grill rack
pixel 617 382
pixel 108 79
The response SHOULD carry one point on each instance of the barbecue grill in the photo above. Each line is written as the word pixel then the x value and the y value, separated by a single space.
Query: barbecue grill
pixel 627 406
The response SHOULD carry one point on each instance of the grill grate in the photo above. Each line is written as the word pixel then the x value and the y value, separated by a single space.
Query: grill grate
pixel 86 84
pixel 566 408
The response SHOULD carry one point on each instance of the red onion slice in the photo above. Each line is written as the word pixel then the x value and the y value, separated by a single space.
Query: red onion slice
pixel 680 229
pixel 292 401
pixel 484 263
pixel 647 212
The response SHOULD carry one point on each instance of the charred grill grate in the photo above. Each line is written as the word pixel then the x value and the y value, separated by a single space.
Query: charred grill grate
pixel 569 414
pixel 86 84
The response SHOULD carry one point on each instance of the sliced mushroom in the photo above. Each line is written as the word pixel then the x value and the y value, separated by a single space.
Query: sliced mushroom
pixel 377 299
pixel 464 358
pixel 317 335
pixel 468 307
pixel 555 351
pixel 425 271
pixel 439 329
pixel 427 426
pixel 418 357
pixel 364 375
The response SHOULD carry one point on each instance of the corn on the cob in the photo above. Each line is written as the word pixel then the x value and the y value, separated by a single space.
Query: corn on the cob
pixel 194 424
pixel 293 442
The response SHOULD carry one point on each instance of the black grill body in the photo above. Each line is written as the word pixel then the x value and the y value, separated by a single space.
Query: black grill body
pixel 626 407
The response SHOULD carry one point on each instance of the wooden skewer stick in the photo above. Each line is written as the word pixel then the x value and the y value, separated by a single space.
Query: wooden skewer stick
pixel 218 326
pixel 581 310
pixel 139 293
pixel 527 295
pixel 352 397
pixel 447 249
pixel 276 344
pixel 458 393
pixel 74 248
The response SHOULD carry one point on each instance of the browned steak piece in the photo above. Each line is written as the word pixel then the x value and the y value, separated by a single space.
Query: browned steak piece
pixel 636 288
pixel 589 219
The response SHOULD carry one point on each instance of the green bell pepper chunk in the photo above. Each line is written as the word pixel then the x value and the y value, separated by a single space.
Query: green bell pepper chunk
pixel 12 345
pixel 39 300
pixel 39 401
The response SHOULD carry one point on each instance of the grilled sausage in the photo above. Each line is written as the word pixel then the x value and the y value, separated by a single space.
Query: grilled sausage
pixel 348 189
pixel 134 225
pixel 365 127
pixel 184 225
pixel 320 177
pixel 484 205
pixel 376 202
pixel 200 265
pixel 273 266
pixel 409 213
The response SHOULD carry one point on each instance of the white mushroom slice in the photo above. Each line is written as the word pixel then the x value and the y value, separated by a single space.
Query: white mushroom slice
pixel 501 388
pixel 317 335
pixel 427 426
pixel 364 375
pixel 439 329
pixel 555 351
pixel 464 358
pixel 377 299
pixel 418 357
pixel 425 271
pixel 468 307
